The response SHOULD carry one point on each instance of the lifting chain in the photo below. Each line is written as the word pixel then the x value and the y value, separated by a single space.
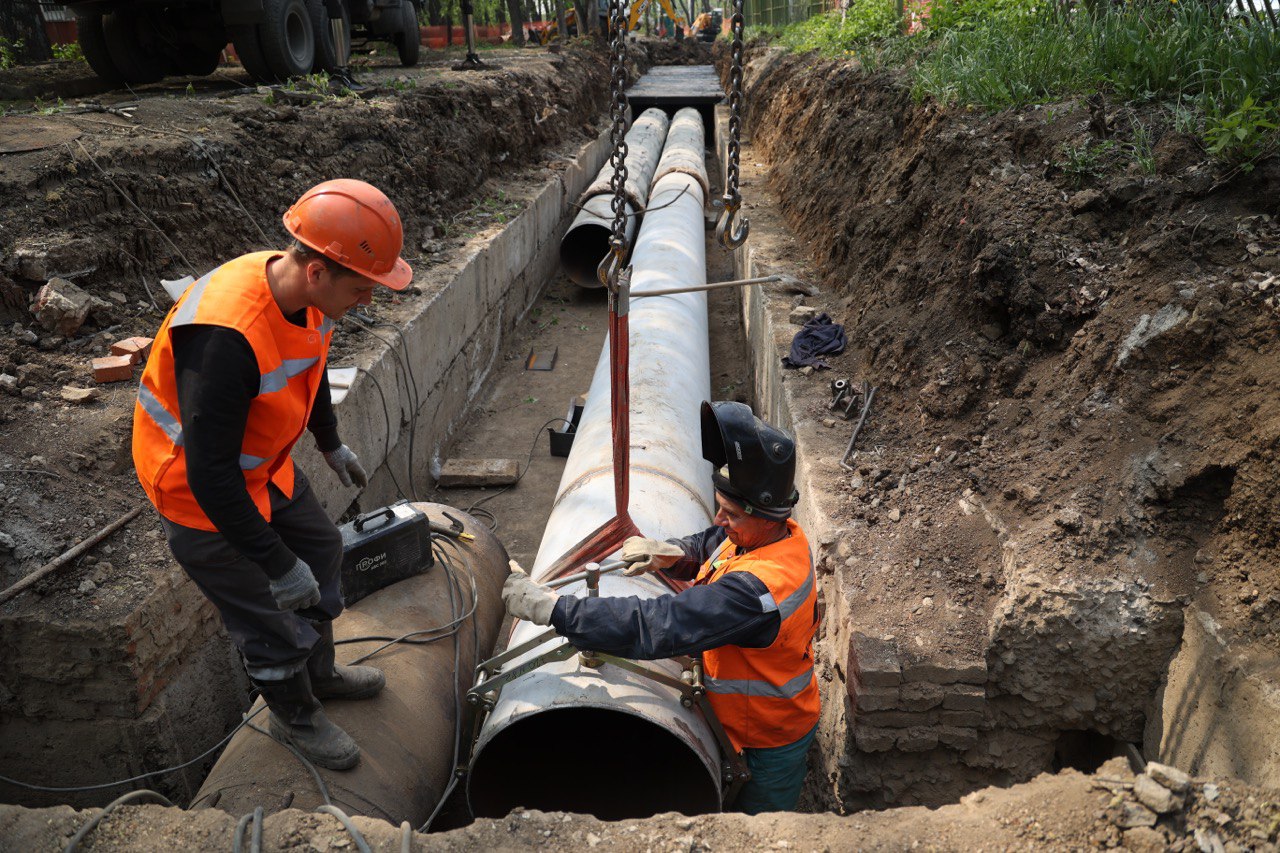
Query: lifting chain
pixel 729 234
pixel 611 267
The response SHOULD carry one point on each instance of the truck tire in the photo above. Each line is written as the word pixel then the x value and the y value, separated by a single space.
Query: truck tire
pixel 245 40
pixel 130 42
pixel 196 61
pixel 94 46
pixel 330 55
pixel 287 38
pixel 409 39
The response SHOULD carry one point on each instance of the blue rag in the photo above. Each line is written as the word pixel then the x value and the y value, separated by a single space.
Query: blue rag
pixel 819 337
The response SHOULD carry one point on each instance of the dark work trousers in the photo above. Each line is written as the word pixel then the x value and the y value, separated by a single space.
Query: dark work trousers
pixel 274 643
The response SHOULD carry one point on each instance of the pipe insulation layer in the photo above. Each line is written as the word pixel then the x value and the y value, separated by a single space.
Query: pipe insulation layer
pixel 604 741
pixel 407 732
pixel 586 242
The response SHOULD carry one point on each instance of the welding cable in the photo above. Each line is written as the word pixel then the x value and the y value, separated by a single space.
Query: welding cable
pixel 415 637
pixel 386 413
pixel 411 381
pixel 457 698
pixel 123 800
pixel 360 321
pixel 520 476
pixel 244 722
pixel 311 768
pixel 330 809
pixel 255 840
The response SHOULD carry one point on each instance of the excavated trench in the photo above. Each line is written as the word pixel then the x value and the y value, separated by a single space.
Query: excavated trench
pixel 1033 561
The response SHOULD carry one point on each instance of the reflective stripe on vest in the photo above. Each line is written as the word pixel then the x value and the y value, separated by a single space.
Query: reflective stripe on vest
pixel 792 602
pixel 753 687
pixel 290 358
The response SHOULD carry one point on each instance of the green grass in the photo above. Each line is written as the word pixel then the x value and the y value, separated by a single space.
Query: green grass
pixel 1216 74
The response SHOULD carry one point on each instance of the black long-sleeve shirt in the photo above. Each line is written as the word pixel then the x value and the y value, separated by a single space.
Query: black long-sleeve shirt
pixel 218 378
pixel 726 612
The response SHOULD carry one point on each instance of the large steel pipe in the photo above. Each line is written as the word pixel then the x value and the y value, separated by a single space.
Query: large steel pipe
pixel 407 732
pixel 586 242
pixel 605 741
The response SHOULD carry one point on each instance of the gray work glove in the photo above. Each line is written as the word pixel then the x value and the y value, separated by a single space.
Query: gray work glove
pixel 347 466
pixel 527 599
pixel 648 555
pixel 296 589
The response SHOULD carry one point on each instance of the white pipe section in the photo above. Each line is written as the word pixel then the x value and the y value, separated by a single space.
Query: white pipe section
pixel 586 242
pixel 671 492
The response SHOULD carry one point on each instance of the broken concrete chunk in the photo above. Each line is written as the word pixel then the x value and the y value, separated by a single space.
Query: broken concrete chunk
pixel 61 307
pixel 1170 777
pixel 9 384
pixel 1155 796
pixel 875 659
pixel 1134 814
pixel 112 368
pixel 136 348
pixel 802 314
pixel 72 394
pixel 479 472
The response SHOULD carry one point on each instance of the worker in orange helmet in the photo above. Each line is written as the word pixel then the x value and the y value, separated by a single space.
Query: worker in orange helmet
pixel 751 611
pixel 235 376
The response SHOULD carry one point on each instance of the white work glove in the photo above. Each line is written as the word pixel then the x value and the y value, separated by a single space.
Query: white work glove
pixel 296 589
pixel 648 555
pixel 347 466
pixel 526 599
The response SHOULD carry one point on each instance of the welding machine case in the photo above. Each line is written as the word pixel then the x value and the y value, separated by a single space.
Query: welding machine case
pixel 382 547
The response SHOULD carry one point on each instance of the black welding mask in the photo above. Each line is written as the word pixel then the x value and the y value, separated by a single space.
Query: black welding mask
pixel 755 463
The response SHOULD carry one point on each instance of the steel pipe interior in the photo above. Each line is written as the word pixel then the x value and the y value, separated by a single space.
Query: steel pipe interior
pixel 572 759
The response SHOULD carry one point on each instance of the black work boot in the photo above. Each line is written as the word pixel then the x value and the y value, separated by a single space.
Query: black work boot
pixel 330 680
pixel 298 719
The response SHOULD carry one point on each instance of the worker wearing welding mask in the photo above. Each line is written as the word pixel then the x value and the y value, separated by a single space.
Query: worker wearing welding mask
pixel 751 611
pixel 235 376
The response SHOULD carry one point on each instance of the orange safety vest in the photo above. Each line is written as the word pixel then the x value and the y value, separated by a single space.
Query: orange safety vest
pixel 291 362
pixel 768 697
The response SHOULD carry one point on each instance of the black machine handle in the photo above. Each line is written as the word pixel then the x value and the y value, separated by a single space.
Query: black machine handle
pixel 365 519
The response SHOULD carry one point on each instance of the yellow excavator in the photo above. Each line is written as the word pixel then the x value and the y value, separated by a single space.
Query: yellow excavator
pixel 551 32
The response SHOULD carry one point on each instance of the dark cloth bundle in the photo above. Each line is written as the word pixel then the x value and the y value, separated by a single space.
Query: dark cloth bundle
pixel 819 337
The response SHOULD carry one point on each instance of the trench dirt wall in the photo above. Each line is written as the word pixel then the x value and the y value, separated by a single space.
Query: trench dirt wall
pixel 1074 434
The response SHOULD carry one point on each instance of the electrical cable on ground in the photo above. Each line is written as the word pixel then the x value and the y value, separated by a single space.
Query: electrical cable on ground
pixel 123 800
pixel 311 768
pixel 244 722
pixel 255 841
pixel 361 322
pixel 474 509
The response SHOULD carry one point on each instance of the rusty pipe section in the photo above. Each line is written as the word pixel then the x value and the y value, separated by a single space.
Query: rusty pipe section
pixel 406 733
pixel 586 242
pixel 606 741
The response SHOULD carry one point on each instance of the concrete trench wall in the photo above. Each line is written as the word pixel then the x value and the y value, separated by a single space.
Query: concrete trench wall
pixel 162 683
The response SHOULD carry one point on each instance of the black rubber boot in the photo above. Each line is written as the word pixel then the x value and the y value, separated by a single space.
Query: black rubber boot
pixel 297 719
pixel 330 680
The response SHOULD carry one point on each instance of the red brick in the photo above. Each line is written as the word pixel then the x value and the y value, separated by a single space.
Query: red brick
pixel 113 368
pixel 136 348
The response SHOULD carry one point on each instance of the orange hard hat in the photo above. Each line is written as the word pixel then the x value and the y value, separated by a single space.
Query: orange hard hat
pixel 355 224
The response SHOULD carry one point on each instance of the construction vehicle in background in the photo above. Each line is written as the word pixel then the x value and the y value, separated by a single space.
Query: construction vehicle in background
pixel 130 42
pixel 551 31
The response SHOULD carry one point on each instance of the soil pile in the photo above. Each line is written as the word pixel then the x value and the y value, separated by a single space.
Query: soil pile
pixel 1076 430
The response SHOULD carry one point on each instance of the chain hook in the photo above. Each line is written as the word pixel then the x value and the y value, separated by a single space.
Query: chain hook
pixel 729 233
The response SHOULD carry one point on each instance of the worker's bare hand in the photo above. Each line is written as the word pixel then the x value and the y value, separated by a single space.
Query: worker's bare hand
pixel 346 465
pixel 648 555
